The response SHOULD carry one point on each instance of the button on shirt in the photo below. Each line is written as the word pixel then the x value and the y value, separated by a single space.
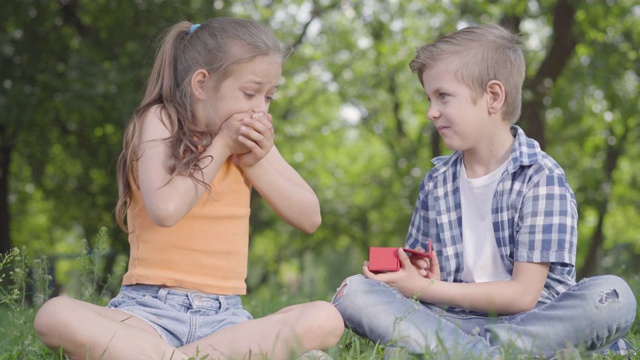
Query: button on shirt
pixel 534 215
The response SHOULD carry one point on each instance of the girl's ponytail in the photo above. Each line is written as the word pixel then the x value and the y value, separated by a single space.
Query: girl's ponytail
pixel 162 80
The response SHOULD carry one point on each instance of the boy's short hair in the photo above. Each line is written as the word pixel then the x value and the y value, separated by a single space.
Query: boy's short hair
pixel 480 54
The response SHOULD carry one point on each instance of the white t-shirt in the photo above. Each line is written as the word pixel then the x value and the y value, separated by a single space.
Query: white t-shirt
pixel 482 261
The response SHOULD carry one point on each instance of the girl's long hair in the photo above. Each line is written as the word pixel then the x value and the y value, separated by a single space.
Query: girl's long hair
pixel 214 46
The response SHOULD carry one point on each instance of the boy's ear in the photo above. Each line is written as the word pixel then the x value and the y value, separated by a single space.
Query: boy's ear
pixel 496 96
pixel 198 82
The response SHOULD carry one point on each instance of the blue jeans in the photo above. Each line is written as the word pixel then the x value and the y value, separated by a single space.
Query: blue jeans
pixel 180 317
pixel 592 316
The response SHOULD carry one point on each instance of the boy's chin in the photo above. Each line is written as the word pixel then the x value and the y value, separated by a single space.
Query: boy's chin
pixel 453 146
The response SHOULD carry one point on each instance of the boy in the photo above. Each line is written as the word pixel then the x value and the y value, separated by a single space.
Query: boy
pixel 503 222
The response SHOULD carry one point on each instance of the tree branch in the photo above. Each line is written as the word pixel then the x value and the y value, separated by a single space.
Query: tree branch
pixel 69 10
pixel 315 13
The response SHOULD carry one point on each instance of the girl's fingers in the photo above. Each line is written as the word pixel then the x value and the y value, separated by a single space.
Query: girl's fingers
pixel 258 129
pixel 260 122
pixel 249 135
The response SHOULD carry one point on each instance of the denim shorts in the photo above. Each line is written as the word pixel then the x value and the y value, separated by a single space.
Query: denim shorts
pixel 180 317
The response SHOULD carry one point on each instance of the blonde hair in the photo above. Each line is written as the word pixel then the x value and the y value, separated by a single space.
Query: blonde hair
pixel 480 54
pixel 214 46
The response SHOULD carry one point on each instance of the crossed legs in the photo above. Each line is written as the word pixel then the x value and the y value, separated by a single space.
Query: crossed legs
pixel 87 331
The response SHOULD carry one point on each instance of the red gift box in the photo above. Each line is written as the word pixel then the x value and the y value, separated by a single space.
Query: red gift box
pixel 382 259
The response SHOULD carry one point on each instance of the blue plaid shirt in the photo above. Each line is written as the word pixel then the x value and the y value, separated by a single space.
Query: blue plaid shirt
pixel 534 215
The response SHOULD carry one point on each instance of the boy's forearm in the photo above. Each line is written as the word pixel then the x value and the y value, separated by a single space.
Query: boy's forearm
pixel 492 297
pixel 520 293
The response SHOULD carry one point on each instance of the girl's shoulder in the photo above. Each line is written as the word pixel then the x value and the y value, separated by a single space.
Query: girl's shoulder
pixel 157 112
pixel 156 122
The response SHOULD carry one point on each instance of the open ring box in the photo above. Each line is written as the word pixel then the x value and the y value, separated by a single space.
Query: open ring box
pixel 383 259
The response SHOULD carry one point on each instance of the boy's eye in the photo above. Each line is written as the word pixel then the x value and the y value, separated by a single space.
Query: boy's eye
pixel 249 95
pixel 270 99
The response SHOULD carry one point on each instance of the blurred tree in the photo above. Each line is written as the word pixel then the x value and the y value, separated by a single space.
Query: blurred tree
pixel 593 116
pixel 349 116
pixel 72 72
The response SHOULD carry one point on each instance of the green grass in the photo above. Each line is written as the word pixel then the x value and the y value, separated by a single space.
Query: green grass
pixel 19 342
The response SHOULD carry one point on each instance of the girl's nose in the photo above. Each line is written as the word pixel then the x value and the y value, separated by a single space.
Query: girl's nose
pixel 261 105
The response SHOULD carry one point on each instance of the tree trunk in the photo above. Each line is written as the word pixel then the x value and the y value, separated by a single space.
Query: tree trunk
pixel 591 262
pixel 5 160
pixel 563 44
pixel 597 239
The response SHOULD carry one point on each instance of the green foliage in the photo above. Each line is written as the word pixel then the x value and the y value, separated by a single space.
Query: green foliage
pixel 28 277
pixel 349 116
pixel 11 295
pixel 29 285
pixel 92 284
pixel 18 339
pixel 595 132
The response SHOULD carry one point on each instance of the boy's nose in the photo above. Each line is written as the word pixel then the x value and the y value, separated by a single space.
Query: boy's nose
pixel 433 113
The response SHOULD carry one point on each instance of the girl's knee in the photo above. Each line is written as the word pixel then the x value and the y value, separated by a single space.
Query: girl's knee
pixel 333 320
pixel 319 322
pixel 51 317
pixel 327 314
pixel 50 310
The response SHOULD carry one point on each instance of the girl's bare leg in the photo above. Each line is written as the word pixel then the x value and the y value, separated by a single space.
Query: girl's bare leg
pixel 285 334
pixel 88 331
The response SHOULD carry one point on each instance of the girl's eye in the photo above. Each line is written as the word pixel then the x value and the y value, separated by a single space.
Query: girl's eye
pixel 249 95
pixel 269 98
pixel 443 96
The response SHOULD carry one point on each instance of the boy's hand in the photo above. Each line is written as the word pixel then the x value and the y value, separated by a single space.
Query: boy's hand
pixel 421 264
pixel 257 134
pixel 407 280
pixel 433 272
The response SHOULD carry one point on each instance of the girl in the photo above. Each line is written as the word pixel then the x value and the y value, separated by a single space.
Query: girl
pixel 199 141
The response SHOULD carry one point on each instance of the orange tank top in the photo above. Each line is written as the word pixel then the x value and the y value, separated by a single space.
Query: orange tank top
pixel 205 251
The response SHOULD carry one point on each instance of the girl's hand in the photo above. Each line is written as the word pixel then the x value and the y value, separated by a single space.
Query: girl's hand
pixel 257 134
pixel 230 133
